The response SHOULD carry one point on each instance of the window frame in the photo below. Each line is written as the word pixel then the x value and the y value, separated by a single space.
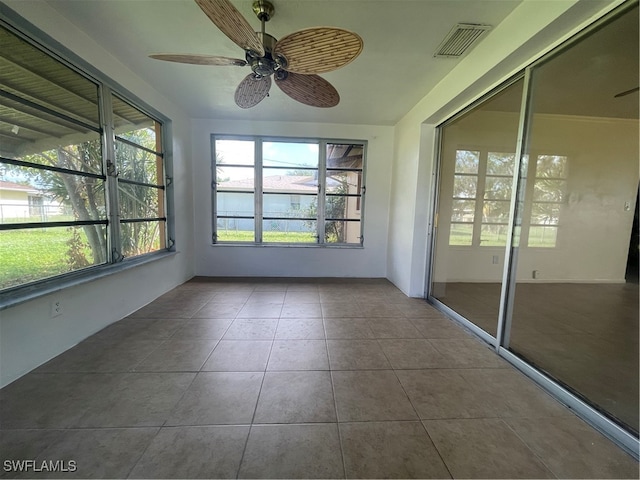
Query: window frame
pixel 258 192
pixel 42 42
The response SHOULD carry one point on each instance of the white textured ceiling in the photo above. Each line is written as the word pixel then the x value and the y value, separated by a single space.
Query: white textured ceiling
pixel 395 70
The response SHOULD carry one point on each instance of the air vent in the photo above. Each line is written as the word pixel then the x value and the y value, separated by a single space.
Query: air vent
pixel 460 39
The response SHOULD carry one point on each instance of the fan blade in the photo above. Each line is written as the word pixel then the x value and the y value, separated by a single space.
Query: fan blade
pixel 252 90
pixel 231 22
pixel 627 92
pixel 318 50
pixel 311 90
pixel 199 59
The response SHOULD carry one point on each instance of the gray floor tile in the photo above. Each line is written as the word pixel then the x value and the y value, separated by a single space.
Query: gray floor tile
pixel 468 353
pixel 96 453
pixel 484 448
pixel 347 328
pixel 444 393
pixel 51 400
pixel 293 451
pixel 101 357
pixel 393 328
pixel 193 452
pixel 439 328
pixel 298 355
pixel 138 329
pixel 135 400
pixel 296 397
pixel 260 310
pixel 266 297
pixel 17 445
pixel 390 450
pixel 218 398
pixel 219 310
pixel 300 329
pixel 341 310
pixel 572 449
pixel 252 329
pixel 512 394
pixel 301 296
pixel 301 310
pixel 202 328
pixel 239 356
pixel 388 310
pixel 370 395
pixel 356 355
pixel 413 353
pixel 176 355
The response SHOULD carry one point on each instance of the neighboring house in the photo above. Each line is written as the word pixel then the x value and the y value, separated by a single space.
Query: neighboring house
pixel 285 196
pixel 19 202
pixel 290 196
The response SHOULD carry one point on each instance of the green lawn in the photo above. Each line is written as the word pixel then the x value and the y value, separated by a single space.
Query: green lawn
pixel 28 255
pixel 269 237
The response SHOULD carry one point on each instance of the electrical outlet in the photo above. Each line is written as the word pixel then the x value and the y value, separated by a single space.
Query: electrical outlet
pixel 494 260
pixel 56 308
pixel 535 274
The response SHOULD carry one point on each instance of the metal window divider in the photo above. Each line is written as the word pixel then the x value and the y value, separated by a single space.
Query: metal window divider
pixel 257 188
pixel 110 168
pixel 322 191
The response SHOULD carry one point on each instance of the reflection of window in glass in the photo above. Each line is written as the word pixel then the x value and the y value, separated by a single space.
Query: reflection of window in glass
pixel 496 199
pixel 465 183
pixel 548 196
pixel 274 197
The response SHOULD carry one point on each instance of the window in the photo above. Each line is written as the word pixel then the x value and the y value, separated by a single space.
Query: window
pixel 66 203
pixel 284 191
pixel 482 184
pixel 548 196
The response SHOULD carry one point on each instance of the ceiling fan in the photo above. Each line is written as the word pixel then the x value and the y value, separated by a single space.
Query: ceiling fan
pixel 626 92
pixel 294 61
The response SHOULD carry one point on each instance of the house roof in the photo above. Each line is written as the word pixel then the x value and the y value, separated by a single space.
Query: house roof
pixel 275 183
pixel 4 185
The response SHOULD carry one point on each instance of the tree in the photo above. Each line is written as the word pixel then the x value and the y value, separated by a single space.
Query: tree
pixel 335 207
pixel 84 196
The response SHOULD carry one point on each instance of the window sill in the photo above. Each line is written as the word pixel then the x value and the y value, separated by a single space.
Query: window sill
pixel 287 245
pixel 20 295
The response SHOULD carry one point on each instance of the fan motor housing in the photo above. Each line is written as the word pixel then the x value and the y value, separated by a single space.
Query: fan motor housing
pixel 267 65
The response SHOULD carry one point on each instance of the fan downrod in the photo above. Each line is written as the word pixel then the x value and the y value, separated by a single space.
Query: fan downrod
pixel 263 9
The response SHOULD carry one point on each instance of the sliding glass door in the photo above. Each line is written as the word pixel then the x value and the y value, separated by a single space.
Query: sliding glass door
pixel 475 182
pixel 553 190
pixel 575 315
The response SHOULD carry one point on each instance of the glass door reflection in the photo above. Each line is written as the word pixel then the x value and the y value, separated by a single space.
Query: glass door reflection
pixel 474 195
pixel 575 316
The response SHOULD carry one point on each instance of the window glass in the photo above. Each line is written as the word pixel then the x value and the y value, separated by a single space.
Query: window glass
pixel 287 183
pixel 53 170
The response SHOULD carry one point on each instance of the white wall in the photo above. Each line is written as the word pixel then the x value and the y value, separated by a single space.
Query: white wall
pixel 274 261
pixel 595 228
pixel 28 336
pixel 532 29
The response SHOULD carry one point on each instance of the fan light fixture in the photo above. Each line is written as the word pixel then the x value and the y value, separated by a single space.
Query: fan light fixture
pixel 294 61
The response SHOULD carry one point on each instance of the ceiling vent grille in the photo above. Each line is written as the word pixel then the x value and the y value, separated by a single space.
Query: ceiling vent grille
pixel 460 39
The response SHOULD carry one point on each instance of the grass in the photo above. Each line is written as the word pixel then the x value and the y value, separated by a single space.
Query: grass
pixel 269 237
pixel 28 255
pixel 538 238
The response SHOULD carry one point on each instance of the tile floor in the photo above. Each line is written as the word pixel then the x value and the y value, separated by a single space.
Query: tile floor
pixel 293 379
pixel 583 334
